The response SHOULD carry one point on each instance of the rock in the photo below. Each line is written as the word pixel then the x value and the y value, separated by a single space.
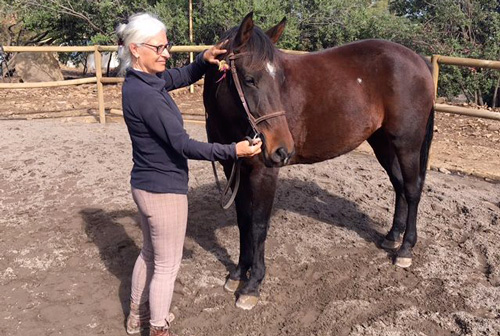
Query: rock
pixel 444 170
pixel 494 127
pixel 37 67
pixel 460 99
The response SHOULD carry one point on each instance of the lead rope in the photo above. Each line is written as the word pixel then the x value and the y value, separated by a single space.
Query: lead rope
pixel 234 177
pixel 235 170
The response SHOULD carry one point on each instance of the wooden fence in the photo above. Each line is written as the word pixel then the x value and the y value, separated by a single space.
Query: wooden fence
pixel 100 80
pixel 468 62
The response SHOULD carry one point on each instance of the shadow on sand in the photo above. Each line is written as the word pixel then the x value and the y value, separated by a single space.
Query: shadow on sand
pixel 119 251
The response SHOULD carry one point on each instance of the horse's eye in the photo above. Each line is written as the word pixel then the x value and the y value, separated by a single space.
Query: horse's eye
pixel 250 80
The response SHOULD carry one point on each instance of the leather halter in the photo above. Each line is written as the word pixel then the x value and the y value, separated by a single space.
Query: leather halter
pixel 234 178
pixel 254 122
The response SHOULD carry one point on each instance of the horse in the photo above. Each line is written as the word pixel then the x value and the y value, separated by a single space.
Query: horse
pixel 314 107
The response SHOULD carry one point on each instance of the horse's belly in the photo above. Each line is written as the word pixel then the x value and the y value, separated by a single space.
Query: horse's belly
pixel 318 153
pixel 333 136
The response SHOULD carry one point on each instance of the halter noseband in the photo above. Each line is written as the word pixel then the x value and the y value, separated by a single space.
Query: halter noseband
pixel 251 119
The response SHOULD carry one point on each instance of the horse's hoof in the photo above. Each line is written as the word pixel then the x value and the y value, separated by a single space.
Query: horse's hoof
pixel 247 302
pixel 390 244
pixel 232 286
pixel 402 262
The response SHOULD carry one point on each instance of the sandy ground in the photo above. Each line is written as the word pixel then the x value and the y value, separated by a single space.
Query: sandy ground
pixel 461 144
pixel 69 237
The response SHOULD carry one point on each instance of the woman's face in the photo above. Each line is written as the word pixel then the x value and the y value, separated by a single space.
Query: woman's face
pixel 147 57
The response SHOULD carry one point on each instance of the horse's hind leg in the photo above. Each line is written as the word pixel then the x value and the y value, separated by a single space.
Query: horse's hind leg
pixel 384 151
pixel 412 151
pixel 412 191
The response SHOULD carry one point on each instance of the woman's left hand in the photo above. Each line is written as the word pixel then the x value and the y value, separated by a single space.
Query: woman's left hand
pixel 214 51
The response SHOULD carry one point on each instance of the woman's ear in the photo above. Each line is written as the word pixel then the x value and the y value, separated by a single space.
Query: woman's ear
pixel 134 50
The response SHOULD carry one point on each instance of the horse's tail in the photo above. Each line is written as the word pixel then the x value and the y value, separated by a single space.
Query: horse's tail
pixel 428 62
pixel 426 145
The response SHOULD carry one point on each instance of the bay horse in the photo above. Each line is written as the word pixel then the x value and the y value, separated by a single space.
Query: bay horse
pixel 314 107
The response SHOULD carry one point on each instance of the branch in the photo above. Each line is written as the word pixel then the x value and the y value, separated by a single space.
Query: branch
pixel 19 33
pixel 8 34
pixel 38 38
pixel 12 34
pixel 67 10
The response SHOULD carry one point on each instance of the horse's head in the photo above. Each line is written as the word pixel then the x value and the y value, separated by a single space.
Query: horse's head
pixel 255 79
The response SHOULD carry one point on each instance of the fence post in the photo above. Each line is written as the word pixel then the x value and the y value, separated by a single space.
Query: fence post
pixel 191 59
pixel 435 73
pixel 435 76
pixel 100 89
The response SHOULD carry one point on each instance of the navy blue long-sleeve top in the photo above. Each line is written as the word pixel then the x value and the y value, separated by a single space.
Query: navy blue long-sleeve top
pixel 160 144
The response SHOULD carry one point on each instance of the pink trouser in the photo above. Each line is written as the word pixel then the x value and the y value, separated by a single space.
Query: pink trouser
pixel 163 223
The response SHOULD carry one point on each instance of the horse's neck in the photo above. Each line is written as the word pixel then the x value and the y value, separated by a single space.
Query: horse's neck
pixel 292 66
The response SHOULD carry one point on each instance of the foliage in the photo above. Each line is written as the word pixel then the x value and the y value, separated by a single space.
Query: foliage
pixel 326 24
pixel 465 28
pixel 267 13
pixel 77 22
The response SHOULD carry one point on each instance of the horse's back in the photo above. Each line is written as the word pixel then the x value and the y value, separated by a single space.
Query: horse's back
pixel 374 58
pixel 344 94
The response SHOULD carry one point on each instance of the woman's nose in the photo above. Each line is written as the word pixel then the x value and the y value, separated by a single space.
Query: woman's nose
pixel 165 53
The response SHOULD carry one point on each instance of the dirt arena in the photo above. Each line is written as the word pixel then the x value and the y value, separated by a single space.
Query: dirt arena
pixel 69 235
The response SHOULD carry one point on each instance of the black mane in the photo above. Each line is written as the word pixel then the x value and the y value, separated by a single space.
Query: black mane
pixel 259 47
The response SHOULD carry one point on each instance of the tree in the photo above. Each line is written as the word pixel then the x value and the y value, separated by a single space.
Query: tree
pixel 77 22
pixel 214 17
pixel 463 28
pixel 466 28
pixel 67 22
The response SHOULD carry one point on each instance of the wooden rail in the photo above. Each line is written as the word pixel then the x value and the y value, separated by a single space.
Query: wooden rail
pixel 100 80
pixel 469 62
pixel 48 84
pixel 479 113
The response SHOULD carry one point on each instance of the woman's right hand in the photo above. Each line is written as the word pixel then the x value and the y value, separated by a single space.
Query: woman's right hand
pixel 244 149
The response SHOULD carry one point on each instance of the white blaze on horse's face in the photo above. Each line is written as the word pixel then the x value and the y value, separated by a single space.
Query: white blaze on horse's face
pixel 271 69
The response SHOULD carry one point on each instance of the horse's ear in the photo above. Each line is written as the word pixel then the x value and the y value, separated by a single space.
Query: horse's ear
pixel 275 32
pixel 245 31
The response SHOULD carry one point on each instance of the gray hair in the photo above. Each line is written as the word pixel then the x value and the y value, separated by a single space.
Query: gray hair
pixel 139 29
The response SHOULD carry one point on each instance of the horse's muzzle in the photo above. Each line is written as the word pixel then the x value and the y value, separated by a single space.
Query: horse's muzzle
pixel 279 157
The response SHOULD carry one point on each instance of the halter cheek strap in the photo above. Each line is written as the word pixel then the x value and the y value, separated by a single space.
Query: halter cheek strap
pixel 253 121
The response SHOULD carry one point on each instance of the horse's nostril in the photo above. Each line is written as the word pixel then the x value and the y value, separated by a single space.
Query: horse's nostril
pixel 280 155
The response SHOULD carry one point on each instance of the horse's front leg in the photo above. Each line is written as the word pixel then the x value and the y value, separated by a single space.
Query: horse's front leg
pixel 254 203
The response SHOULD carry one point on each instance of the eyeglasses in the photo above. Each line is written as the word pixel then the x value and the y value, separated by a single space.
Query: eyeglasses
pixel 159 48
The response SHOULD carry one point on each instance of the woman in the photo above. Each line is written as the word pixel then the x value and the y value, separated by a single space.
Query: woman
pixel 159 178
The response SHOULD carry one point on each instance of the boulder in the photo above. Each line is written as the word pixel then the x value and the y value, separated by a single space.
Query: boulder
pixel 37 67
pixel 460 99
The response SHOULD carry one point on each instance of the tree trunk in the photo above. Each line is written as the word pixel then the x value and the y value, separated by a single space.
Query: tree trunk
pixel 495 94
pixel 8 66
pixel 480 100
pixel 109 63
